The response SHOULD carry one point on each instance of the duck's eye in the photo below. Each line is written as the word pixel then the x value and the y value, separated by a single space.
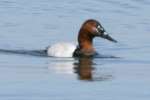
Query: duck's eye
pixel 98 27
pixel 101 29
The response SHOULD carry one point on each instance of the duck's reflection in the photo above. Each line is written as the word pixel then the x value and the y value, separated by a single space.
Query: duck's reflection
pixel 84 68
pixel 86 71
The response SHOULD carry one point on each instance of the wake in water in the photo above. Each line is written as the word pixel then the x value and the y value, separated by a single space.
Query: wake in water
pixel 41 53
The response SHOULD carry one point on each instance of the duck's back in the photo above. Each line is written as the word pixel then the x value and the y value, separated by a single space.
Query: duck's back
pixel 61 50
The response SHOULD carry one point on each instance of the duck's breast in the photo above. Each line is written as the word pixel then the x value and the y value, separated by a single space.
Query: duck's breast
pixel 61 50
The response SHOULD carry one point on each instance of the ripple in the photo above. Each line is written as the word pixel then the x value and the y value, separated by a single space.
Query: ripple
pixel 147 2
pixel 40 53
pixel 127 5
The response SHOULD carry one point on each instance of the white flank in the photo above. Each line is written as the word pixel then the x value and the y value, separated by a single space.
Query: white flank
pixel 61 50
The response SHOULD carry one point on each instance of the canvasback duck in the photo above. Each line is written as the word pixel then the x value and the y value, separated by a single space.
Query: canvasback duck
pixel 89 30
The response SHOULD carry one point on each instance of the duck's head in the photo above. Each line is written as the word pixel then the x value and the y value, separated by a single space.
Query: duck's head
pixel 92 28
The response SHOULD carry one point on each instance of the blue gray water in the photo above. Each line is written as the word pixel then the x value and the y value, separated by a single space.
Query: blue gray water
pixel 35 24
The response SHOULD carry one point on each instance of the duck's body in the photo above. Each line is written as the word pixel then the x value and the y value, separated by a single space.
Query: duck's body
pixel 88 31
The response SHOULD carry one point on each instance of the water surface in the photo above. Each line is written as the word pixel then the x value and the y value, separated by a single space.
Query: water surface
pixel 30 25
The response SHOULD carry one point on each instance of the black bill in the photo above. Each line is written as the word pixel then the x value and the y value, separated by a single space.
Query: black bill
pixel 106 36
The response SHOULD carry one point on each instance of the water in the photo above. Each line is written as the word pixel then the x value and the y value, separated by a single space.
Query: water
pixel 35 24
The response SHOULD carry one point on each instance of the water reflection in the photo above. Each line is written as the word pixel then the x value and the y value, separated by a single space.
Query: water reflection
pixel 84 68
pixel 86 71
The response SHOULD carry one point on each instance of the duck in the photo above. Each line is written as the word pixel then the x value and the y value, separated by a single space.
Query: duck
pixel 90 29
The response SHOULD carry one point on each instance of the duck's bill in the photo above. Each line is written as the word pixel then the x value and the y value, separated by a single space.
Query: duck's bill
pixel 106 36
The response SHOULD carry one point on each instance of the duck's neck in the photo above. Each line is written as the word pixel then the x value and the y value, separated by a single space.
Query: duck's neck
pixel 85 41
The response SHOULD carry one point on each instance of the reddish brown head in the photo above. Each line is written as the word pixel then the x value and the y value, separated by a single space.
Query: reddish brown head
pixel 90 29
